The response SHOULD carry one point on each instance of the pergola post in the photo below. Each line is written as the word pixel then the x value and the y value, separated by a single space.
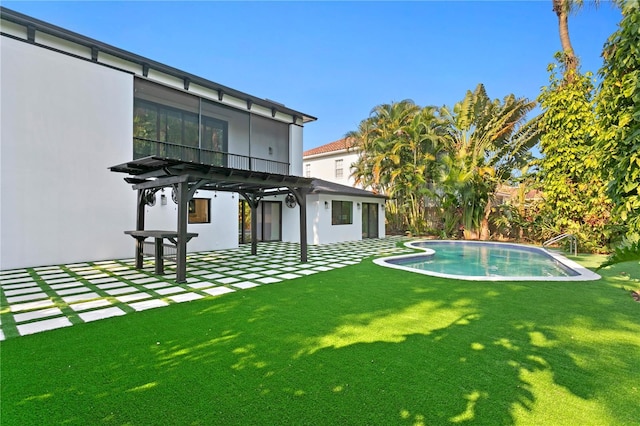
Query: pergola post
pixel 140 227
pixel 301 197
pixel 182 189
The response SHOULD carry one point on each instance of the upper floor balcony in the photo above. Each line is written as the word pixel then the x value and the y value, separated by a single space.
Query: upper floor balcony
pixel 143 147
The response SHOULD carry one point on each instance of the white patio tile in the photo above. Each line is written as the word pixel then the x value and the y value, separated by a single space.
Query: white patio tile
pixel 26 297
pixel 201 285
pixel 288 276
pixel 156 285
pixel 337 265
pixel 16 281
pixel 199 272
pixel 30 284
pixel 41 313
pixel 73 290
pixel 31 305
pixel 146 280
pixel 217 291
pixel 96 276
pixel 322 268
pixel 90 305
pixel 213 276
pixel 250 276
pixel 271 272
pixel 55 276
pixel 69 278
pixel 103 280
pixel 135 276
pixel 268 280
pixel 306 272
pixel 38 326
pixel 66 285
pixel 169 290
pixel 245 284
pixel 186 297
pixel 228 280
pixel 148 304
pixel 123 290
pixel 111 285
pixel 101 314
pixel 132 297
pixel 80 297
pixel 25 290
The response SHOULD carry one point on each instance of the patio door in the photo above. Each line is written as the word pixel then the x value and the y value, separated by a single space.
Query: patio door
pixel 269 221
pixel 369 220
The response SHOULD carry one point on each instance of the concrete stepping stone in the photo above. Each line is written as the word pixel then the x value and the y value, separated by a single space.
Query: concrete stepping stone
pixel 245 285
pixel 16 281
pixel 268 280
pixel 289 276
pixel 201 285
pixel 83 306
pixel 80 297
pixel 26 297
pixel 169 290
pixel 148 304
pixel 38 326
pixel 41 313
pixel 306 272
pixel 31 305
pixel 72 290
pixel 250 276
pixel 156 285
pixel 133 297
pixel 111 285
pixel 123 290
pixel 60 280
pixel 186 297
pixel 24 290
pixel 66 285
pixel 103 280
pixel 217 291
pixel 228 280
pixel 145 280
pixel 101 314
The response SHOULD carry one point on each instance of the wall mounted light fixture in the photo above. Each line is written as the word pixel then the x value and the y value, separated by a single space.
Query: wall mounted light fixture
pixel 326 205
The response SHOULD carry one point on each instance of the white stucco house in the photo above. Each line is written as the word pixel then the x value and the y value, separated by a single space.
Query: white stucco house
pixel 74 110
pixel 332 162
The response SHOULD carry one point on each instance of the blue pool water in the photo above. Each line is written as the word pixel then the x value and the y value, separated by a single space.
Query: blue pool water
pixel 486 260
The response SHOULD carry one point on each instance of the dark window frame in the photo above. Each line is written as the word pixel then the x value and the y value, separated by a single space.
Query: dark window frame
pixel 193 210
pixel 341 212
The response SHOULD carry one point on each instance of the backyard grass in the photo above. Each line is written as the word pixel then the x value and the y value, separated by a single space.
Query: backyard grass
pixel 361 345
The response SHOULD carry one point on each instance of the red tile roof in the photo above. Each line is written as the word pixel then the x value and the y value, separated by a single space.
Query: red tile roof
pixel 338 145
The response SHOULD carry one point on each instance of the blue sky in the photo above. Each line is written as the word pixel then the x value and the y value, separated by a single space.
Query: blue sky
pixel 337 60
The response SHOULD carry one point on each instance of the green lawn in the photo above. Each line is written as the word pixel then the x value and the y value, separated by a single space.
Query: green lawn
pixel 361 345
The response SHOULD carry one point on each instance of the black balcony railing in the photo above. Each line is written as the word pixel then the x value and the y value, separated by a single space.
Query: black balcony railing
pixel 147 147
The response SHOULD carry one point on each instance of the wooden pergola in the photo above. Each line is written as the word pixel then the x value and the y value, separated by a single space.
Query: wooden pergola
pixel 150 174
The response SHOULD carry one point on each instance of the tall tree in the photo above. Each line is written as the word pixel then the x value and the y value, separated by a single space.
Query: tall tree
pixel 569 170
pixel 618 110
pixel 489 140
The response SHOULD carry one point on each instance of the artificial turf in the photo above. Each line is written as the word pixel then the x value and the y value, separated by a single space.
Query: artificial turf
pixel 362 345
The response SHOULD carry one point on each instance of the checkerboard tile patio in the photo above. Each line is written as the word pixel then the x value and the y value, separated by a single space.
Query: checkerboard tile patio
pixel 34 300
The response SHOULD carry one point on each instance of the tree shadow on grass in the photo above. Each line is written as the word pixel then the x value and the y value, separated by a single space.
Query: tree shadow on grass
pixel 371 346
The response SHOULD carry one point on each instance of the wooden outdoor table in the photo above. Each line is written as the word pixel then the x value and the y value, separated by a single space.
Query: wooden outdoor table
pixel 159 237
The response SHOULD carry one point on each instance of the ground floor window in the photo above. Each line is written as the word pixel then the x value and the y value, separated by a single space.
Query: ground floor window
pixel 341 212
pixel 200 210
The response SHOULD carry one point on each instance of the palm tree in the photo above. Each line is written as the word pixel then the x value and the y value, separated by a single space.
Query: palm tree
pixel 489 140
pixel 562 9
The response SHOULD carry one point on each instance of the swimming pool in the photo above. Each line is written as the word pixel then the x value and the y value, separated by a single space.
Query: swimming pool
pixel 487 261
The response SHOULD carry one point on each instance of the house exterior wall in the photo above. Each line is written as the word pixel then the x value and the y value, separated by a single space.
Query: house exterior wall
pixel 323 166
pixel 64 122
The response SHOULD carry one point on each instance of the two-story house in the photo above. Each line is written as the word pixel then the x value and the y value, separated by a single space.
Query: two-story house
pixel 202 157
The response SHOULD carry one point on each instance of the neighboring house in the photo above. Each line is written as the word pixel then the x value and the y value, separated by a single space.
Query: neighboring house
pixel 332 162
pixel 72 108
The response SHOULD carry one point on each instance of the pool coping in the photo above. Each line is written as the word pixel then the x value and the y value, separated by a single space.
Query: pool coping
pixel 584 274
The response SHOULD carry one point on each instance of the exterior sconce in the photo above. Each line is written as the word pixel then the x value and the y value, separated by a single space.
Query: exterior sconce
pixel 358 206
pixel 326 205
pixel 163 199
pixel 382 206
pixel 270 151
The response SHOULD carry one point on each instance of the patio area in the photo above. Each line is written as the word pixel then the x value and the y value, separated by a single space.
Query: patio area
pixel 38 299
